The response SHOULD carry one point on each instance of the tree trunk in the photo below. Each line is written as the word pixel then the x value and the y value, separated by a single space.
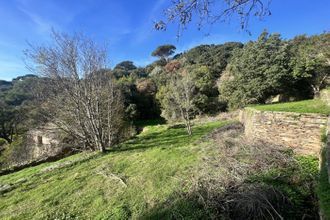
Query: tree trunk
pixel 188 125
pixel 101 148
pixel 316 91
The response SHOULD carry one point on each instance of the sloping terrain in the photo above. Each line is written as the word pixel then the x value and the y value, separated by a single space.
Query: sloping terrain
pixel 165 174
pixel 123 183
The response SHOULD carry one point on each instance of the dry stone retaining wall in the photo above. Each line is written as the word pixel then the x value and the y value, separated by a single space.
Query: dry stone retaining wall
pixel 302 132
pixel 325 96
pixel 327 150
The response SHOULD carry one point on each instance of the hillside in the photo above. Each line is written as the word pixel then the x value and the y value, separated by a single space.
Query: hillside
pixel 162 174
pixel 131 111
pixel 126 182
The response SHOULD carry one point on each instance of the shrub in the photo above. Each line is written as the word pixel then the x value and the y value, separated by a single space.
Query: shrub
pixel 3 142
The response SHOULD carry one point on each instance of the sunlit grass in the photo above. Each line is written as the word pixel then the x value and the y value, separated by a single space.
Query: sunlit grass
pixel 124 183
pixel 306 106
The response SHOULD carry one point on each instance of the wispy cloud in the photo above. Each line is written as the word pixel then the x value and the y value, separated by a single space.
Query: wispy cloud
pixel 145 31
pixel 42 24
pixel 46 15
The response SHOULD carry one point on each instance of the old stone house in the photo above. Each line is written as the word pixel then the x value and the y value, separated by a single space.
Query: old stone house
pixel 45 141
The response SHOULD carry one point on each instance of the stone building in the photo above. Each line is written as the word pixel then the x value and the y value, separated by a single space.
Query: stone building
pixel 44 141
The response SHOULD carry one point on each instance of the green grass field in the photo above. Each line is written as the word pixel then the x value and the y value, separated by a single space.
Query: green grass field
pixel 124 183
pixel 306 106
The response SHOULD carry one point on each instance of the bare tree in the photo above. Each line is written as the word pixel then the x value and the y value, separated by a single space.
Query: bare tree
pixel 83 100
pixel 208 12
pixel 177 99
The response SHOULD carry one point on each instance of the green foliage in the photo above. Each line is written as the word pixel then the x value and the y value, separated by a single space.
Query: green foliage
pixel 206 93
pixel 139 98
pixel 324 135
pixel 270 66
pixel 23 89
pixel 15 152
pixel 3 142
pixel 164 51
pixel 205 63
pixel 306 106
pixel 256 71
pixel 125 65
pixel 310 60
pixel 177 99
pixel 127 69
pixel 18 112
pixel 4 85
pixel 297 181
pixel 203 78
pixel 215 57
pixel 323 187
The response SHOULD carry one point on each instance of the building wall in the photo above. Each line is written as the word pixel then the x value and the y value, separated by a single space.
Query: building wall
pixel 44 142
pixel 302 132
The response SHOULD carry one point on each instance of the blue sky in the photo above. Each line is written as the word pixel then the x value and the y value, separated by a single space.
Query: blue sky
pixel 126 26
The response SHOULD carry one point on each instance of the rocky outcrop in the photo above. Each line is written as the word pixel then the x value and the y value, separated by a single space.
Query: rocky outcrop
pixel 302 132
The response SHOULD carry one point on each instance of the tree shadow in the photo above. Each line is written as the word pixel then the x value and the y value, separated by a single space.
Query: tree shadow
pixel 172 137
pixel 248 202
pixel 176 207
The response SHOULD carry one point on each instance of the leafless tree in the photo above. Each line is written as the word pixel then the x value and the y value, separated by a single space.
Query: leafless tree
pixel 82 99
pixel 208 12
pixel 179 98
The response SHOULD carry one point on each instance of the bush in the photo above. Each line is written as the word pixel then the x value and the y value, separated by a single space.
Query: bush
pixel 240 179
pixel 257 71
pixel 3 142
pixel 323 188
pixel 16 152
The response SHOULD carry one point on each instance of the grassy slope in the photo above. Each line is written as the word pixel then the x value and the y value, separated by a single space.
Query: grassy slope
pixel 151 167
pixel 306 106
pixel 323 189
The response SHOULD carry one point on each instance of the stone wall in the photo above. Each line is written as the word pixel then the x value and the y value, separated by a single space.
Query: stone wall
pixel 302 132
pixel 325 96
pixel 327 150
pixel 41 144
pixel 44 141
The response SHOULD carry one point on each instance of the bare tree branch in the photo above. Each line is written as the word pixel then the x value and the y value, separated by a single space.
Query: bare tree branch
pixel 84 102
pixel 208 12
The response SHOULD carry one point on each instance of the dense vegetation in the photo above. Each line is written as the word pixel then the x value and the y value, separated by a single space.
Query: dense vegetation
pixel 162 171
pixel 204 80
pixel 271 66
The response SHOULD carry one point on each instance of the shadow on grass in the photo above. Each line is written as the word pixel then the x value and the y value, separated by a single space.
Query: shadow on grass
pixel 248 201
pixel 171 137
pixel 176 207
pixel 150 122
